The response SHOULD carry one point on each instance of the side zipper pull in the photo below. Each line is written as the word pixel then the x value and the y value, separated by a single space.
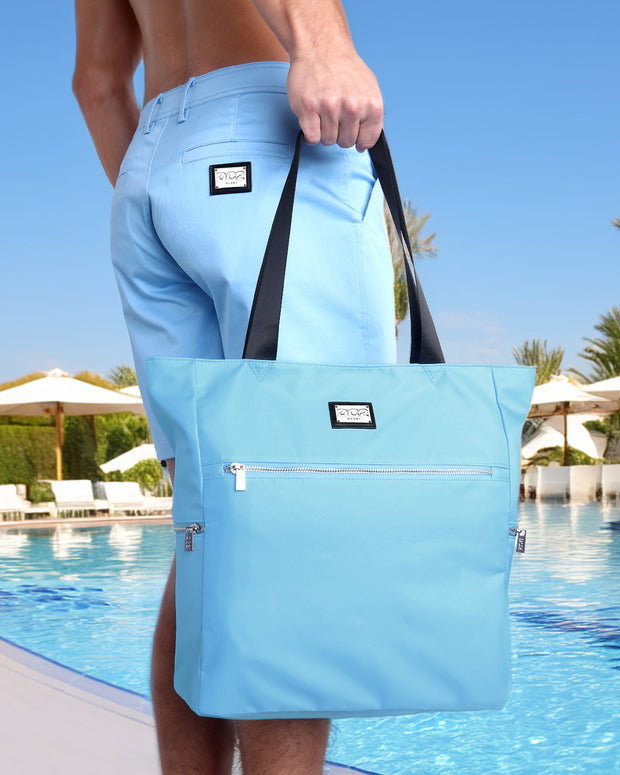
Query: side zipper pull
pixel 520 539
pixel 238 469
pixel 190 531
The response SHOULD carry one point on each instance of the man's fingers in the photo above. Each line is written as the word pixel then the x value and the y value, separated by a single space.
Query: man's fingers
pixel 329 111
pixel 310 125
pixel 336 102
pixel 371 125
pixel 369 132
pixel 349 128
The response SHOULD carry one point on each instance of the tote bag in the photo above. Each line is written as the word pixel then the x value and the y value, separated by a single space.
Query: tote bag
pixel 344 533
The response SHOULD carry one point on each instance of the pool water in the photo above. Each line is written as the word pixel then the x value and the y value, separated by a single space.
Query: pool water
pixel 88 597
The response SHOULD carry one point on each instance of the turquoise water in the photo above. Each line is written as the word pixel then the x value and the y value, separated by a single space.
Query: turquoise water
pixel 88 597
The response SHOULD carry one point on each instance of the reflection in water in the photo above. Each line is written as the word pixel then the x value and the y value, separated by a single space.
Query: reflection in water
pixel 125 540
pixel 13 544
pixel 571 540
pixel 570 582
pixel 67 542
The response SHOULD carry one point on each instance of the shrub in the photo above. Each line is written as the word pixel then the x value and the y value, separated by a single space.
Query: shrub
pixel 79 449
pixel 148 473
pixel 27 453
pixel 40 492
pixel 575 457
pixel 118 433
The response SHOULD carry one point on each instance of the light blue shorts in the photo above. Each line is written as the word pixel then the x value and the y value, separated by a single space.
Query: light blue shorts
pixel 187 256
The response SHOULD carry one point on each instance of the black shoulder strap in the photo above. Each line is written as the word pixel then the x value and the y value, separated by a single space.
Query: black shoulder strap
pixel 263 328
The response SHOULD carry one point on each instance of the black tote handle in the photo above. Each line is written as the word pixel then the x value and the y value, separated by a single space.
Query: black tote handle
pixel 261 342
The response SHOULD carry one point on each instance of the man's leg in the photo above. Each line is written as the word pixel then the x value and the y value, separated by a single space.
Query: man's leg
pixel 204 746
pixel 188 744
pixel 283 746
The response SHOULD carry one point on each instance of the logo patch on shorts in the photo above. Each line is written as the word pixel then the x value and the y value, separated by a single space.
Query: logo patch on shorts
pixel 232 178
pixel 350 414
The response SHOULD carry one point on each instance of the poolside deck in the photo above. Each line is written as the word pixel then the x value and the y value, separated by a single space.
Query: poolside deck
pixel 58 721
pixel 34 524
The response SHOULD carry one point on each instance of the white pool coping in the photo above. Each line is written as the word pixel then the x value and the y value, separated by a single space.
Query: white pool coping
pixel 58 721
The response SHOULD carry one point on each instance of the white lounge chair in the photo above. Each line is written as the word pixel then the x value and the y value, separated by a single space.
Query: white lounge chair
pixel 610 481
pixel 12 506
pixel 530 479
pixel 157 505
pixel 74 497
pixel 585 482
pixel 553 482
pixel 122 496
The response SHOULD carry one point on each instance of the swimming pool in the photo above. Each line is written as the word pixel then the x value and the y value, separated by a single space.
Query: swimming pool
pixel 88 597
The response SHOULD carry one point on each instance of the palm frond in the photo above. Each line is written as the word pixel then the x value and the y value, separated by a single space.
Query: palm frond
pixel 421 245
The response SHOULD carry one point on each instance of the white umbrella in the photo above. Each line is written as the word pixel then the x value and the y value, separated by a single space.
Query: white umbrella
pixel 59 394
pixel 132 390
pixel 608 388
pixel 550 434
pixel 559 396
pixel 130 458
pixel 561 390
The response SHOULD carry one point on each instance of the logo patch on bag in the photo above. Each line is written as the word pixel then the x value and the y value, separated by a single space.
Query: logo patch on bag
pixel 232 178
pixel 351 414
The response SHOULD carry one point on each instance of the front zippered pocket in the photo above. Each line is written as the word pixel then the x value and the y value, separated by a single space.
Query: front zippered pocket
pixel 243 471
pixel 239 471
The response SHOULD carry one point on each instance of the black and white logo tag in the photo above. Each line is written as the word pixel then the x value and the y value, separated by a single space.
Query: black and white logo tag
pixel 351 414
pixel 232 178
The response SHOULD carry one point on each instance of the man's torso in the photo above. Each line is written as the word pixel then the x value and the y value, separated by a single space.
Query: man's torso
pixel 184 38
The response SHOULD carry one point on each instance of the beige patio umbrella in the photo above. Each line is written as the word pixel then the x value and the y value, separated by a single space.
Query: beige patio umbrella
pixel 132 390
pixel 130 458
pixel 550 434
pixel 59 394
pixel 608 388
pixel 562 397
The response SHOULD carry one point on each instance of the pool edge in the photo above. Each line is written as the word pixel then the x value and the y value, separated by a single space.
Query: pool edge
pixel 75 678
pixel 125 698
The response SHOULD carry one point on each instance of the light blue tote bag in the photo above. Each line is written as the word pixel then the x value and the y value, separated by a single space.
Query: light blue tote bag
pixel 344 533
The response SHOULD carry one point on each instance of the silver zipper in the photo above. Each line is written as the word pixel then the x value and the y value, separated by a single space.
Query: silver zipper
pixel 520 535
pixel 190 531
pixel 239 470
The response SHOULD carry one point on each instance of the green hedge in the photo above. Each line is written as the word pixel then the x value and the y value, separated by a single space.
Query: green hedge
pixel 27 453
pixel 79 449
pixel 28 445
pixel 575 457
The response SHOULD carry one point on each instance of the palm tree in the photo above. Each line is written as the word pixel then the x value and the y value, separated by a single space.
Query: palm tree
pixel 421 246
pixel 547 362
pixel 604 352
pixel 616 223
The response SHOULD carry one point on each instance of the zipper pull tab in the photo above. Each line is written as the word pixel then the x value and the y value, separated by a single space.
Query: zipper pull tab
pixel 520 536
pixel 238 469
pixel 190 532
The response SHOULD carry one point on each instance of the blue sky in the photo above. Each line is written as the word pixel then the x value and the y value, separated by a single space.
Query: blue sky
pixel 503 119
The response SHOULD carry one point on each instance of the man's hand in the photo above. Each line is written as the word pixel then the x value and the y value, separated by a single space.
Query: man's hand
pixel 336 99
pixel 333 93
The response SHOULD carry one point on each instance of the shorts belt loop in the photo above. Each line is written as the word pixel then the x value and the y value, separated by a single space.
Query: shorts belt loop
pixel 149 124
pixel 182 111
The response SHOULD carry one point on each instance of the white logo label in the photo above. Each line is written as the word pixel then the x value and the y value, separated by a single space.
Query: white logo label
pixel 357 413
pixel 348 414
pixel 230 177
